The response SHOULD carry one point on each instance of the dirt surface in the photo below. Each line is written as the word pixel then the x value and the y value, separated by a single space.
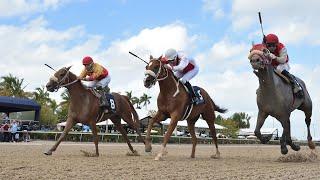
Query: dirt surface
pixel 27 161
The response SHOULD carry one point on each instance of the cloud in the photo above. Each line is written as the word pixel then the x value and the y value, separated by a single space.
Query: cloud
pixel 24 7
pixel 213 7
pixel 294 21
pixel 26 48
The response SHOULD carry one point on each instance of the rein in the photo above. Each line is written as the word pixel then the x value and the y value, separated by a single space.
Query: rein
pixel 66 76
pixel 156 76
pixel 262 54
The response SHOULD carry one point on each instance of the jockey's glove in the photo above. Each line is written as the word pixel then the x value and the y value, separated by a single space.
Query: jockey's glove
pixel 272 56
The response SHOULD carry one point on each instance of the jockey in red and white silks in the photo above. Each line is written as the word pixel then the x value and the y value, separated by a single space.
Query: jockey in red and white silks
pixel 280 60
pixel 184 68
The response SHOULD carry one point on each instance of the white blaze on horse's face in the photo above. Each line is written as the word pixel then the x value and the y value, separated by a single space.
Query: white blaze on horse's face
pixel 150 76
pixel 54 79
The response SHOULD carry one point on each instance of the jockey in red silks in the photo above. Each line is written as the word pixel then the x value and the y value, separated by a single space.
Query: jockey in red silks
pixel 184 68
pixel 98 77
pixel 280 60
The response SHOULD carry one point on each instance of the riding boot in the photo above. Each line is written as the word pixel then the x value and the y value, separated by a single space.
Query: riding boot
pixel 297 90
pixel 103 103
pixel 194 98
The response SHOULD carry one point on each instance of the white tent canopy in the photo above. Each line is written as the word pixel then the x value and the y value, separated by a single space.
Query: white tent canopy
pixel 108 122
pixel 199 124
pixel 250 132
pixel 62 124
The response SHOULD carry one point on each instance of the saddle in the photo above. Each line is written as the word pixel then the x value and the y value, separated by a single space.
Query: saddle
pixel 111 103
pixel 197 92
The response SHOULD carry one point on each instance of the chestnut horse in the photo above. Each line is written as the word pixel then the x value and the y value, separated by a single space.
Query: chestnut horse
pixel 84 108
pixel 173 101
pixel 275 98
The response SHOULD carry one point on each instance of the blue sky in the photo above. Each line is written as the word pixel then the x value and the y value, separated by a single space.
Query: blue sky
pixel 217 33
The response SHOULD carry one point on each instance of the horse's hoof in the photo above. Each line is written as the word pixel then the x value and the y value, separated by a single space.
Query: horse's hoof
pixel 295 147
pixel 158 158
pixel 148 149
pixel 48 153
pixel 264 140
pixel 284 151
pixel 215 156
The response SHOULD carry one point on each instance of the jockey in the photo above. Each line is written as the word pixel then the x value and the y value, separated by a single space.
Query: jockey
pixel 184 68
pixel 97 76
pixel 280 60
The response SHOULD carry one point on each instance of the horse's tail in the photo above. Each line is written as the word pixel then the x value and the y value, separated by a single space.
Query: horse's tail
pixel 136 119
pixel 133 111
pixel 217 108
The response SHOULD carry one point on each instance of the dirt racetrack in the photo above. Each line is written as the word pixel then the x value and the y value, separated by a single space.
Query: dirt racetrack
pixel 27 161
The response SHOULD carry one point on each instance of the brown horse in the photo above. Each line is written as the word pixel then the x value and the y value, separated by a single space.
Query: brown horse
pixel 84 108
pixel 173 100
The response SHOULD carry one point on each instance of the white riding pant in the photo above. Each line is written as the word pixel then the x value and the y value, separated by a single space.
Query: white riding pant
pixel 102 83
pixel 187 76
pixel 282 67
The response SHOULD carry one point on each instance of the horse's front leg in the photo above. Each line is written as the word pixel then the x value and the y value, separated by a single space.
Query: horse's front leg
pixel 157 118
pixel 171 127
pixel 286 137
pixel 260 121
pixel 70 123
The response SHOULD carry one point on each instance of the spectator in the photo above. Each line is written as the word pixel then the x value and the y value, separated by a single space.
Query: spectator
pixel 6 134
pixel 1 133
pixel 13 130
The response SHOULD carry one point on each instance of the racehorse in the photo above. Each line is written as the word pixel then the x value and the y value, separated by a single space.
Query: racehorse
pixel 173 101
pixel 84 108
pixel 275 97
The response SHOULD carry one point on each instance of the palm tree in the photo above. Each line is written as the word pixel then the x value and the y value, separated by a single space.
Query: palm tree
pixel 242 119
pixel 41 95
pixel 129 95
pixel 145 99
pixel 12 86
pixel 136 101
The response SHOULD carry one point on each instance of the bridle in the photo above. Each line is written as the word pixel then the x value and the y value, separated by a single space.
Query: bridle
pixel 156 75
pixel 263 56
pixel 59 83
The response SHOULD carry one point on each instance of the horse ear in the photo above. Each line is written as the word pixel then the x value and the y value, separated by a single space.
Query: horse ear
pixel 151 57
pixel 69 68
pixel 160 57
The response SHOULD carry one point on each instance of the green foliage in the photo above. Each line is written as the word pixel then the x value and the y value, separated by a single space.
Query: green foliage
pixel 12 86
pixel 145 99
pixel 233 123
pixel 47 116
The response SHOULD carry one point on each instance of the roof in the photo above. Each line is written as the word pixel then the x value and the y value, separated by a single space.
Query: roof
pixel 12 104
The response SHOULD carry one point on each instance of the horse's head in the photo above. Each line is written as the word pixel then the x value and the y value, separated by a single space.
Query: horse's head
pixel 60 79
pixel 155 71
pixel 258 57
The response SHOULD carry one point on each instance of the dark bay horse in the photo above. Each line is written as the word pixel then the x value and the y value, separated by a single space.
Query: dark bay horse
pixel 172 102
pixel 275 97
pixel 84 108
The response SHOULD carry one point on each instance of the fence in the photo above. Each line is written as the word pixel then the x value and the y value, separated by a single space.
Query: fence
pixel 103 137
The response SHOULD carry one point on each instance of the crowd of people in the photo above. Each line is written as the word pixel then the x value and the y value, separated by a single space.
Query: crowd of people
pixel 13 131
